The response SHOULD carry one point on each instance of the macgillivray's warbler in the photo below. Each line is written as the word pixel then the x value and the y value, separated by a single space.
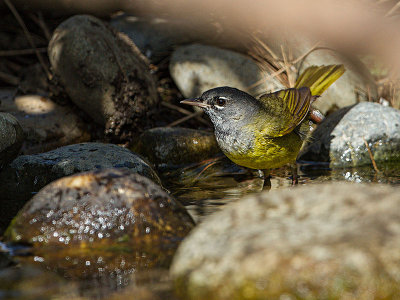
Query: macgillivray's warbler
pixel 267 132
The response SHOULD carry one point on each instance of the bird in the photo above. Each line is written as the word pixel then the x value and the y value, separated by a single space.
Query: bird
pixel 267 132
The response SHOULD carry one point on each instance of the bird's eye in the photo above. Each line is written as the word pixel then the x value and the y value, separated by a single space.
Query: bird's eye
pixel 220 101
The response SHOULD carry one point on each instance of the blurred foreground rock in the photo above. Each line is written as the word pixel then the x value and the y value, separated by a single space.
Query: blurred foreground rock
pixel 11 138
pixel 100 209
pixel 326 241
pixel 27 174
pixel 104 74
pixel 46 124
pixel 339 139
pixel 29 282
pixel 166 146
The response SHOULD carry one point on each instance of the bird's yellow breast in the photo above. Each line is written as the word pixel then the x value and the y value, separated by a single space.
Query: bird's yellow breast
pixel 267 153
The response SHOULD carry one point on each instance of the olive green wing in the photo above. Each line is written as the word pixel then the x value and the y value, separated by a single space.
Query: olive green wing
pixel 284 110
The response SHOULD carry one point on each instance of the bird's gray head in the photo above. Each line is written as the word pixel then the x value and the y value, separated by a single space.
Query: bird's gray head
pixel 226 104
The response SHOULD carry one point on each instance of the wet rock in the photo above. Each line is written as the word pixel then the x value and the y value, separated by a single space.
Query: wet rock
pixel 102 209
pixel 30 282
pixel 388 174
pixel 156 38
pixel 326 241
pixel 340 138
pixel 11 138
pixel 46 124
pixel 197 68
pixel 104 74
pixel 99 271
pixel 27 174
pixel 166 146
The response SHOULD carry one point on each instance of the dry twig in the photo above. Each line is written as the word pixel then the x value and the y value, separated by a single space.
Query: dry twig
pixel 10 79
pixel 184 119
pixel 29 37
pixel 39 20
pixel 371 156
pixel 183 111
pixel 21 52
pixel 274 62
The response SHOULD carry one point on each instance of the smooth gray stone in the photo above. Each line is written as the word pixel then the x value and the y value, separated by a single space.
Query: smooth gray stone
pixel 339 139
pixel 196 68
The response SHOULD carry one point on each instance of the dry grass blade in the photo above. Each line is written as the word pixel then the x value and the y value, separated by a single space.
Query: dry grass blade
pixel 177 108
pixel 303 56
pixel 29 37
pixel 265 46
pixel 286 66
pixel 271 63
pixel 183 111
pixel 371 156
pixel 268 61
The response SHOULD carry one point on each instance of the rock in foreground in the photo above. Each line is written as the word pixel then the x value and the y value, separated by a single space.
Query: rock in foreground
pixel 340 138
pixel 328 241
pixel 100 209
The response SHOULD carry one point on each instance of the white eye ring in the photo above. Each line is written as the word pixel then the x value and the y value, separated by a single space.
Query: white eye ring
pixel 223 103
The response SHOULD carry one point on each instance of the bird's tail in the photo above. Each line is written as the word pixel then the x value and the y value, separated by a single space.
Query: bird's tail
pixel 319 78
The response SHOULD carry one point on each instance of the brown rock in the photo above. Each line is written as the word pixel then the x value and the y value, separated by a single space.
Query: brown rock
pixel 103 73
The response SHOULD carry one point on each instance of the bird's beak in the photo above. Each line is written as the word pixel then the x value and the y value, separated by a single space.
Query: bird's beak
pixel 195 102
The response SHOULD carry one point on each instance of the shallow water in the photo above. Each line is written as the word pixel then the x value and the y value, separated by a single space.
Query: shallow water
pixel 136 272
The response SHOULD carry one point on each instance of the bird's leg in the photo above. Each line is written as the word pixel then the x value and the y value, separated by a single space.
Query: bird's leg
pixel 266 177
pixel 295 179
